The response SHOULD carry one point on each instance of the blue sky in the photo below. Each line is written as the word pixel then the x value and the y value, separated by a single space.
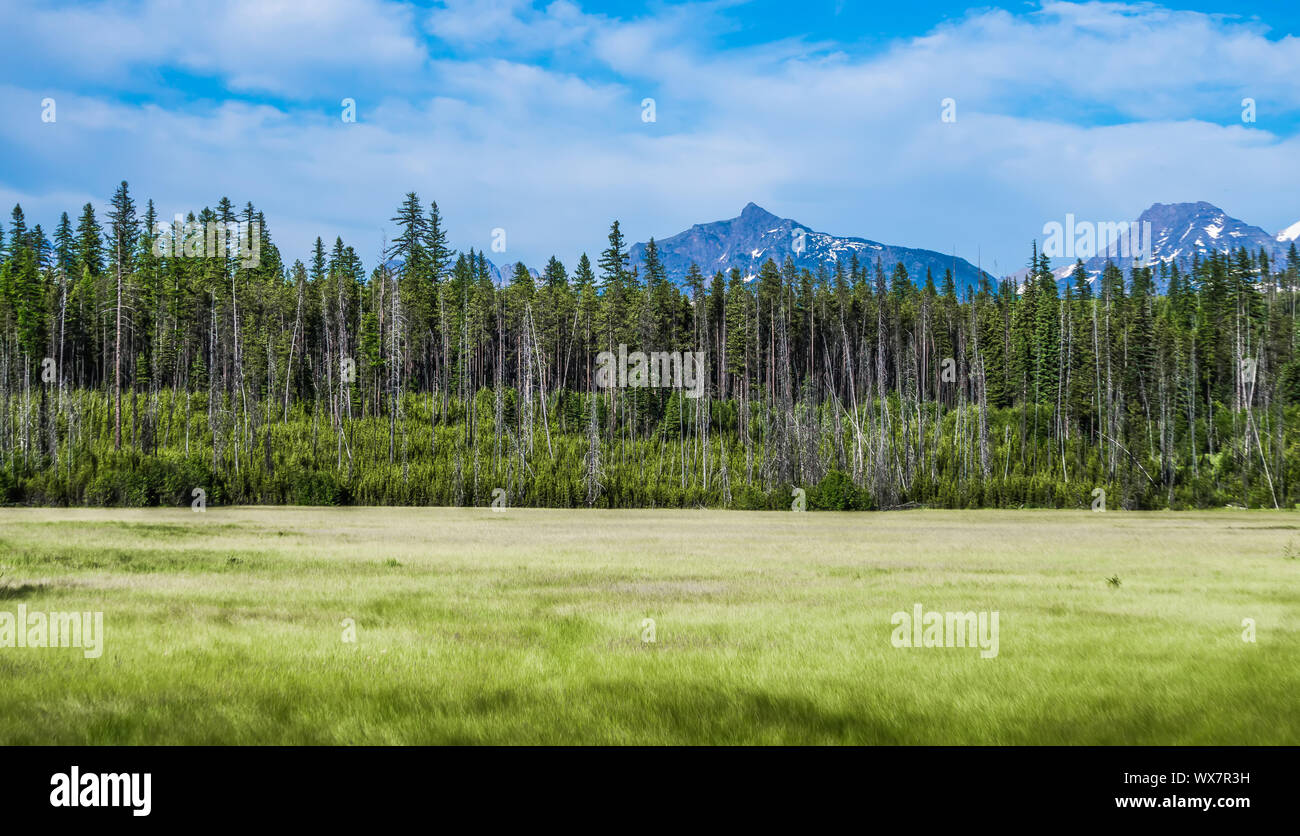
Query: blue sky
pixel 527 116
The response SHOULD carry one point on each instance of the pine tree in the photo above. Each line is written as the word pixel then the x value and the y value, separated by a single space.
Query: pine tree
pixel 124 233
pixel 614 279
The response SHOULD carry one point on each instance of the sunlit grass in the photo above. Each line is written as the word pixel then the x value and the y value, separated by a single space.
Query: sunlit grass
pixel 526 626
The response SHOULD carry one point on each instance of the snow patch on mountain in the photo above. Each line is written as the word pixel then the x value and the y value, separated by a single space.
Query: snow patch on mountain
pixel 1181 232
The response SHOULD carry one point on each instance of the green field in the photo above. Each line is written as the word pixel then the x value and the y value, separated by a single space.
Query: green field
pixel 527 626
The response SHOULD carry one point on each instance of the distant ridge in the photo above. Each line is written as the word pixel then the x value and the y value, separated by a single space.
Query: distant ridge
pixel 1184 232
pixel 755 235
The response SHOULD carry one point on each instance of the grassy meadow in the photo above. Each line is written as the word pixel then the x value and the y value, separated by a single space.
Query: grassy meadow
pixel 527 627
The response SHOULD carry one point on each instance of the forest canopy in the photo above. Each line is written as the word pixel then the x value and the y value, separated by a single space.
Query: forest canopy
pixel 134 371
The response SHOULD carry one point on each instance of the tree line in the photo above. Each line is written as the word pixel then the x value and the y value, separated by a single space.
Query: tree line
pixel 133 370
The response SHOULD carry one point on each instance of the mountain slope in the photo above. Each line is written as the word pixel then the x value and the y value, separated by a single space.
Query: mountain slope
pixel 502 274
pixel 1181 232
pixel 756 235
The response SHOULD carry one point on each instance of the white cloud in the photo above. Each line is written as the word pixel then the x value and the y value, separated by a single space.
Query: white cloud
pixel 478 23
pixel 274 46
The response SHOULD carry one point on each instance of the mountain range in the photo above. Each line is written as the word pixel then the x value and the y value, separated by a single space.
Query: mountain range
pixel 1180 232
pixel 755 235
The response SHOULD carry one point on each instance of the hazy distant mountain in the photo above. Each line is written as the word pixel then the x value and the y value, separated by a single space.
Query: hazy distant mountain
pixel 501 275
pixel 756 235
